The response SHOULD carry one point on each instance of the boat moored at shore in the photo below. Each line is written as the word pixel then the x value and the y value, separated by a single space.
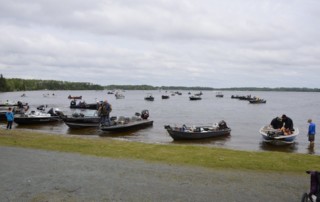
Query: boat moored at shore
pixel 198 132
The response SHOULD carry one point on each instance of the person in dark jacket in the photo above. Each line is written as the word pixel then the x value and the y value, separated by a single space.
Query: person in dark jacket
pixel 276 123
pixel 287 125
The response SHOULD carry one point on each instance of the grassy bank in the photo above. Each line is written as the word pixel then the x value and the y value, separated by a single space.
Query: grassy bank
pixel 176 154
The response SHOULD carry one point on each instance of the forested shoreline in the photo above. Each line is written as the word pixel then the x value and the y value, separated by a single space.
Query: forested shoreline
pixel 16 84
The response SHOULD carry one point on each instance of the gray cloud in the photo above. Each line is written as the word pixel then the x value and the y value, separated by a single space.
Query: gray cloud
pixel 190 43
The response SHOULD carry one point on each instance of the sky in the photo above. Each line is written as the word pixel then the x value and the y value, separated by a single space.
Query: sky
pixel 208 43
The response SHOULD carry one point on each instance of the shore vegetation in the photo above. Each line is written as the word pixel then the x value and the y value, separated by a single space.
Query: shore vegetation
pixel 17 84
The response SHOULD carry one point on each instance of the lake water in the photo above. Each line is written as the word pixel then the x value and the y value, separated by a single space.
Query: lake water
pixel 243 118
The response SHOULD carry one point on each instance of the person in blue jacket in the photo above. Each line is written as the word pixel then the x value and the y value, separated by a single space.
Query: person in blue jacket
pixel 10 118
pixel 311 132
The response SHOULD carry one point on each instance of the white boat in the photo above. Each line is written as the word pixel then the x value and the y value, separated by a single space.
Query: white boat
pixel 275 136
pixel 37 117
pixel 119 95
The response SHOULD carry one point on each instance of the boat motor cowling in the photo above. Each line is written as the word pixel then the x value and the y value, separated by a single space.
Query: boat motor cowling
pixel 222 124
pixel 145 114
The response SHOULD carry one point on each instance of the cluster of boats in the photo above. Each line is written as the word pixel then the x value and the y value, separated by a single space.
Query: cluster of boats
pixel 251 99
pixel 139 120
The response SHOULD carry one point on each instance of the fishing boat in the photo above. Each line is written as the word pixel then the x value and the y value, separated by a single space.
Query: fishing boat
pixel 195 97
pixel 125 123
pixel 35 117
pixel 74 97
pixel 257 101
pixel 149 97
pixel 6 104
pixel 79 120
pixel 83 105
pixel 165 96
pixel 276 137
pixel 119 95
pixel 219 94
pixel 198 132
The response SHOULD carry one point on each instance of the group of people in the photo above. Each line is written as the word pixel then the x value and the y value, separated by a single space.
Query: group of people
pixel 285 124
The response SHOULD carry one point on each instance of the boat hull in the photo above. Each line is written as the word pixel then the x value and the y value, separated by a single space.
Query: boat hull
pixel 128 126
pixel 36 120
pixel 81 122
pixel 85 106
pixel 186 135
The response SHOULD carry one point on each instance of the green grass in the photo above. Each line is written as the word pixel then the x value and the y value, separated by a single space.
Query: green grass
pixel 208 157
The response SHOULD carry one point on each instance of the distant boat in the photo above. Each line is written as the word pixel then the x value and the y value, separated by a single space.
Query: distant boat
pixel 198 132
pixel 165 96
pixel 195 97
pixel 199 94
pixel 219 94
pixel 276 137
pixel 257 101
pixel 149 97
pixel 75 97
pixel 83 105
pixel 119 95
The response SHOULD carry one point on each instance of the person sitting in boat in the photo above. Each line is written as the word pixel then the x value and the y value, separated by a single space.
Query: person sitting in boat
pixel 287 125
pixel 276 123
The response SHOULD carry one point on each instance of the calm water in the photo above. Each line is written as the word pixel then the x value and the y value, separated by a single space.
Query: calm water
pixel 243 118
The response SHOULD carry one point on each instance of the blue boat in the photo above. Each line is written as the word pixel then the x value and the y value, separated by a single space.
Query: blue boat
pixel 276 137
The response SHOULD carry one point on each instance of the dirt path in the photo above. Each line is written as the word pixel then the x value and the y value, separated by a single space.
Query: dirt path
pixel 36 175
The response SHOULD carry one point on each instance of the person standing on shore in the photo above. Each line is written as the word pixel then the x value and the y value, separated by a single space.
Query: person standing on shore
pixel 311 132
pixel 10 118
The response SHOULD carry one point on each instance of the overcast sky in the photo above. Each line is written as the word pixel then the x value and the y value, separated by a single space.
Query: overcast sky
pixel 211 43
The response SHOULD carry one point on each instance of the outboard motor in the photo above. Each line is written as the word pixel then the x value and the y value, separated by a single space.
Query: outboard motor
pixel 51 112
pixel 145 114
pixel 73 103
pixel 41 107
pixel 222 125
pixel 54 112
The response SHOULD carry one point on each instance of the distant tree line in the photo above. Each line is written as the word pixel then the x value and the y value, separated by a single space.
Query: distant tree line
pixel 173 88
pixel 14 84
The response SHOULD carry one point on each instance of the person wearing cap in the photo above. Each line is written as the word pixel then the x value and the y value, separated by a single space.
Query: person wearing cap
pixel 287 125
pixel 311 132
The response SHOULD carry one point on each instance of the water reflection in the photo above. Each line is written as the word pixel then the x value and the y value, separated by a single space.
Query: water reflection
pixel 52 126
pixel 82 131
pixel 218 141
pixel 124 134
pixel 283 148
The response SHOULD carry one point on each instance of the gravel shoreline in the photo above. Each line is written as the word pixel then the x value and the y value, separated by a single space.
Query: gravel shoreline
pixel 38 175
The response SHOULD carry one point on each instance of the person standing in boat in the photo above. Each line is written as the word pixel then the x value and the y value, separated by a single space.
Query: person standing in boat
pixel 10 118
pixel 311 132
pixel 104 111
pixel 287 125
